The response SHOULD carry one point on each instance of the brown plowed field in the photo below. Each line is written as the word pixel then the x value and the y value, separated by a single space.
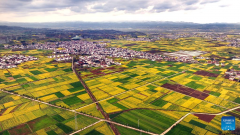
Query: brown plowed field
pixel 185 90
pixel 205 117
pixel 205 73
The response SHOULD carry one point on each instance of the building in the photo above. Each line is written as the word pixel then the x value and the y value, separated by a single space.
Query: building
pixel 76 38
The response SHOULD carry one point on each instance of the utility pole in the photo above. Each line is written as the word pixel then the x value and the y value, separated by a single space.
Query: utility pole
pixel 76 124
pixel 138 127
pixel 138 123
pixel 38 102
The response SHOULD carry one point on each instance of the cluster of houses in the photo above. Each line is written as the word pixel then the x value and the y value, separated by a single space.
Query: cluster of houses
pixel 232 75
pixel 215 63
pixel 11 61
pixel 236 58
pixel 234 42
pixel 201 57
pixel 61 57
pixel 182 59
pixel 96 61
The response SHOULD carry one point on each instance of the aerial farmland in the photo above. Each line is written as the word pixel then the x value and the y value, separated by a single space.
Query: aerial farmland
pixel 148 87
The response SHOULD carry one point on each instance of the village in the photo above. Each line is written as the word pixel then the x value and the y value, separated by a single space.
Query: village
pixel 11 61
pixel 232 75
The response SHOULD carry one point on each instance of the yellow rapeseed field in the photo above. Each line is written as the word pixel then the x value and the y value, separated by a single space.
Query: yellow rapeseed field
pixel 109 108
pixel 5 117
pixel 210 133
pixel 189 118
pixel 41 132
pixel 198 130
pixel 139 96
pixel 142 88
pixel 104 129
pixel 84 96
pixel 8 104
pixel 167 105
pixel 8 110
pixel 122 96
pixel 66 92
pixel 49 98
pixel 116 91
pixel 100 95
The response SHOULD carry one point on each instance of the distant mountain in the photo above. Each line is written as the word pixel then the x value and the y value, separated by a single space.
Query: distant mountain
pixel 8 33
pixel 126 25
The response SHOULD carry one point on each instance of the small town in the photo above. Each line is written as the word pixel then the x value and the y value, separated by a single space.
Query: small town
pixel 98 49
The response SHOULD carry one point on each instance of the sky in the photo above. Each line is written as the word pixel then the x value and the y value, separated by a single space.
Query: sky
pixel 197 11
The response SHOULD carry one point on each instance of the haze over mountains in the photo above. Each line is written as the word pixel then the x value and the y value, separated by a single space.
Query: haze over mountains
pixel 128 25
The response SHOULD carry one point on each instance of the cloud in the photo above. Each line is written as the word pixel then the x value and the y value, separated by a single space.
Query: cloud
pixel 224 5
pixel 209 1
pixel 93 6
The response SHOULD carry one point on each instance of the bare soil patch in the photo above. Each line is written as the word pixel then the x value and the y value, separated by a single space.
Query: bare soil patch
pixel 205 117
pixel 20 130
pixel 11 78
pixel 206 91
pixel 205 73
pixel 185 90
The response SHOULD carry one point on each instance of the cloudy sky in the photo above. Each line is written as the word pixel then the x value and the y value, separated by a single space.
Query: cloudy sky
pixel 198 11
